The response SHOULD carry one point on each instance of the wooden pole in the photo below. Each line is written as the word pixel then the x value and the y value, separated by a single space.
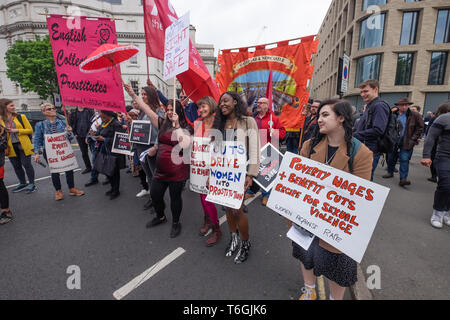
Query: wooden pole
pixel 174 96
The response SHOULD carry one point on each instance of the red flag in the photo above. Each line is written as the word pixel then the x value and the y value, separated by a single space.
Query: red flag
pixel 197 82
pixel 269 91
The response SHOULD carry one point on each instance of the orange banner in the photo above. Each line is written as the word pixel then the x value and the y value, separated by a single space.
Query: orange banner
pixel 247 73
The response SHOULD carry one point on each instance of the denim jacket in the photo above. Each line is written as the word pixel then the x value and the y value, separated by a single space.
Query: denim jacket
pixel 45 127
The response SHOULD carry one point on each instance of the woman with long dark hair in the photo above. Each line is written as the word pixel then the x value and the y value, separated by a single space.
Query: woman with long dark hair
pixel 233 122
pixel 19 131
pixel 174 134
pixel 150 98
pixel 334 145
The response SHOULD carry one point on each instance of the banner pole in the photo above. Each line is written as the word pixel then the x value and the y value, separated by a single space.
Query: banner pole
pixel 174 96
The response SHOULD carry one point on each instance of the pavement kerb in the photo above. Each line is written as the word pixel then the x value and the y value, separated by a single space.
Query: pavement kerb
pixel 359 290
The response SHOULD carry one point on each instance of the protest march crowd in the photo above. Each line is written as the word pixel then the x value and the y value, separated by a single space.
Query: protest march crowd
pixel 330 136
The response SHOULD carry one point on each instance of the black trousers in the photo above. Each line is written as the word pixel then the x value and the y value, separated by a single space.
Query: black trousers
pixel 4 198
pixel 442 193
pixel 84 148
pixel 158 189
pixel 114 180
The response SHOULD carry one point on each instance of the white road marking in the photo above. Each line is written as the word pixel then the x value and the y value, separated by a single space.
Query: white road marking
pixel 39 179
pixel 147 274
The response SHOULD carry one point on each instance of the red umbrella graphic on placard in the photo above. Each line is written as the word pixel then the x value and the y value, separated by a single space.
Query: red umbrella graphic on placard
pixel 107 56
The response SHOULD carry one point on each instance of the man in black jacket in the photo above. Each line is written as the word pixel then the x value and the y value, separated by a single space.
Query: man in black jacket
pixel 368 131
pixel 80 121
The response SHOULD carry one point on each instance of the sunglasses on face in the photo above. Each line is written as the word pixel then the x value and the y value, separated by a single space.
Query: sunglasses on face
pixel 49 109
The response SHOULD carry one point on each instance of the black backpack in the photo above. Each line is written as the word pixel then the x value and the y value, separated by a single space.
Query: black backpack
pixel 19 118
pixel 386 143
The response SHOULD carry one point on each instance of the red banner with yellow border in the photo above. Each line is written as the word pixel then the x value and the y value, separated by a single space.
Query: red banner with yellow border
pixel 247 73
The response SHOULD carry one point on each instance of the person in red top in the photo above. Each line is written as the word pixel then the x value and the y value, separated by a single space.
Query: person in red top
pixel 271 131
pixel 207 107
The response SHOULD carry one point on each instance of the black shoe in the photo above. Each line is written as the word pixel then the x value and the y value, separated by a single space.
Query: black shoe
pixel 156 221
pixel 149 204
pixel 87 170
pixel 245 209
pixel 432 179
pixel 108 193
pixel 114 195
pixel 176 230
pixel 106 182
pixel 388 175
pixel 243 252
pixel 91 183
pixel 395 170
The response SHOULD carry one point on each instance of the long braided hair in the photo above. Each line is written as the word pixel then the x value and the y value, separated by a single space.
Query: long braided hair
pixel 340 108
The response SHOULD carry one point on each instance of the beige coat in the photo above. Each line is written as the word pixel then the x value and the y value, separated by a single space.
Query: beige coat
pixel 362 165
pixel 248 124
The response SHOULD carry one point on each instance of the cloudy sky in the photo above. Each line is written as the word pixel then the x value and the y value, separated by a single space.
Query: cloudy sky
pixel 242 23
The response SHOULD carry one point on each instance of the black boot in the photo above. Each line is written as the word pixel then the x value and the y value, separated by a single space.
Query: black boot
pixel 233 244
pixel 243 252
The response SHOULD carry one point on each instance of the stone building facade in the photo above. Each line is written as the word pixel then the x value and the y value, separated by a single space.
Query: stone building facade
pixel 405 44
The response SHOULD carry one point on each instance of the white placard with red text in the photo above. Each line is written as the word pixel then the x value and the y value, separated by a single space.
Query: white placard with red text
pixel 176 48
pixel 336 206
pixel 200 157
pixel 227 172
pixel 60 156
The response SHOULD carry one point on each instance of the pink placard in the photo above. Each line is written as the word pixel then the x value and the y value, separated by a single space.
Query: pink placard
pixel 73 39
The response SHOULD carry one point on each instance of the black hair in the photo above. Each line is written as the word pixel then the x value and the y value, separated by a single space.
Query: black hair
pixel 152 97
pixel 240 111
pixel 181 117
pixel 109 113
pixel 340 108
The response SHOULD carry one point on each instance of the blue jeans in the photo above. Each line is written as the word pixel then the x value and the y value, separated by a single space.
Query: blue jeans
pixel 264 194
pixel 94 173
pixel 404 156
pixel 376 158
pixel 292 144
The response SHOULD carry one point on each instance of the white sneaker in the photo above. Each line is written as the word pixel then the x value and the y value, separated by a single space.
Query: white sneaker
pixel 437 218
pixel 447 218
pixel 143 193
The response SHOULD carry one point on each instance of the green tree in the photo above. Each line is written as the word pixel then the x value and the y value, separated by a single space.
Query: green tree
pixel 30 64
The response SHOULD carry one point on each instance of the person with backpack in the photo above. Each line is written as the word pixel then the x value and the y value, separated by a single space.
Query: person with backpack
pixel 374 124
pixel 333 145
pixel 412 128
pixel 20 147
pixel 6 214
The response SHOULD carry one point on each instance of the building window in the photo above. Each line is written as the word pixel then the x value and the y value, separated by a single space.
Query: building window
pixel 442 34
pixel 368 3
pixel 367 67
pixel 404 69
pixel 371 32
pixel 409 28
pixel 135 85
pixel 437 68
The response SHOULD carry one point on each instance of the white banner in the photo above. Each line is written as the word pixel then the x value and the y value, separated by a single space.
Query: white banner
pixel 200 158
pixel 176 48
pixel 338 207
pixel 227 174
pixel 60 156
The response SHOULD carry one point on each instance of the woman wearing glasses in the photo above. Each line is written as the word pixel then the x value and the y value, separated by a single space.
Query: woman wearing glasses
pixel 50 126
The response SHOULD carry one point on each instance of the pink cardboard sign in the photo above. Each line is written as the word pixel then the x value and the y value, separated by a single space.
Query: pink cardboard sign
pixel 72 40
